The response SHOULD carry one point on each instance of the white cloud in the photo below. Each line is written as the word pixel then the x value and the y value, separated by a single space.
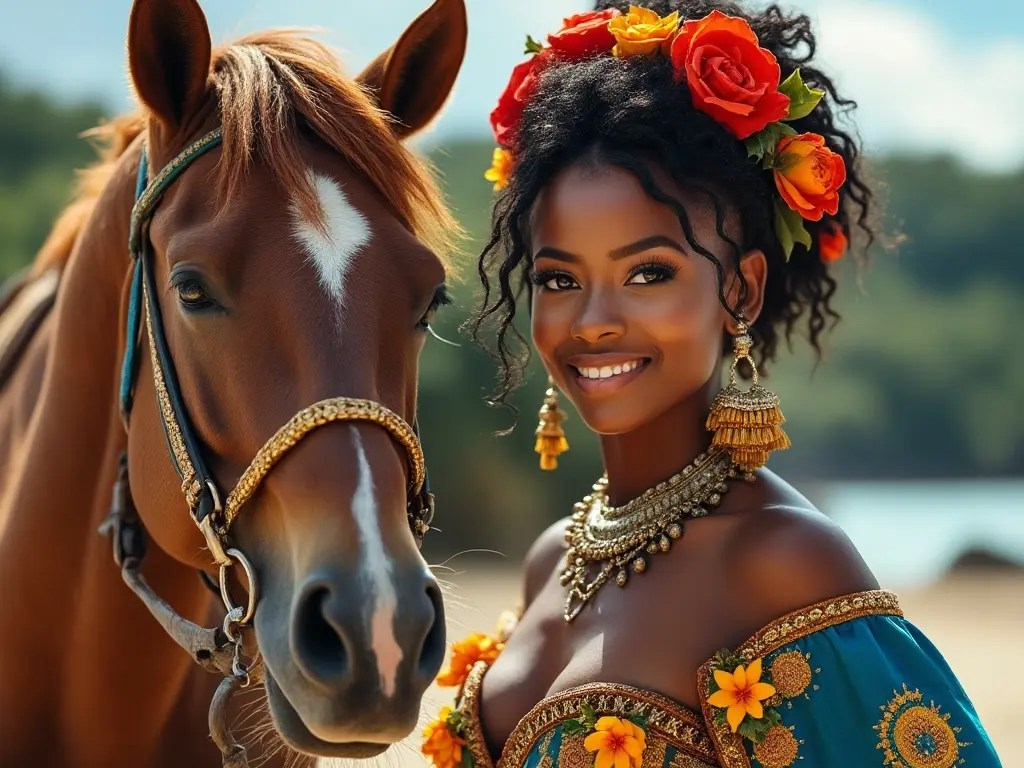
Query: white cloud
pixel 922 90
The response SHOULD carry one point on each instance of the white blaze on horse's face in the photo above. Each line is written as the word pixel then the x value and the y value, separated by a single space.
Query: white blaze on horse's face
pixel 377 574
pixel 332 250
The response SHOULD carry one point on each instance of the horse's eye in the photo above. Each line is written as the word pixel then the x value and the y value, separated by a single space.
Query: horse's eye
pixel 192 295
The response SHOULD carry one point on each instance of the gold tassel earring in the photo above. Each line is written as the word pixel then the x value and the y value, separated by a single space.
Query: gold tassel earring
pixel 551 442
pixel 747 424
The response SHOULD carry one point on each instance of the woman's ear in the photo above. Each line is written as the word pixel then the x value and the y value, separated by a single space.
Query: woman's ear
pixel 746 297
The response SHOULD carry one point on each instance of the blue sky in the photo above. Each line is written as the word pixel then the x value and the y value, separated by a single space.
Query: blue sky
pixel 930 75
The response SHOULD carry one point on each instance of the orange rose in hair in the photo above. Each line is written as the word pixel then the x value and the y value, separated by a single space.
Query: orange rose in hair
pixel 585 34
pixel 730 76
pixel 505 116
pixel 808 175
pixel 832 242
pixel 642 32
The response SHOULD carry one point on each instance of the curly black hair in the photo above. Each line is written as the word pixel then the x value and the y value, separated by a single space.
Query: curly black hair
pixel 603 109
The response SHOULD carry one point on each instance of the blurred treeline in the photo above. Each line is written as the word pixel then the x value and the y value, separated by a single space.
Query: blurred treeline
pixel 923 378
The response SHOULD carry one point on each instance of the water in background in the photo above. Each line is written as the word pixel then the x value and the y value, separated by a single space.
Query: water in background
pixel 911 533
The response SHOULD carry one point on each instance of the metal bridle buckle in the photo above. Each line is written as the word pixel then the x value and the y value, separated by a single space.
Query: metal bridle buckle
pixel 233 556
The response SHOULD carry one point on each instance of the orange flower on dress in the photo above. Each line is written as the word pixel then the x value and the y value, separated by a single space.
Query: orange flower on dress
pixel 742 692
pixel 808 175
pixel 466 653
pixel 642 32
pixel 832 242
pixel 440 746
pixel 501 168
pixel 618 743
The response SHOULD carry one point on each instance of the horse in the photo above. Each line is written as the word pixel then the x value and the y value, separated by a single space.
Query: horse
pixel 287 254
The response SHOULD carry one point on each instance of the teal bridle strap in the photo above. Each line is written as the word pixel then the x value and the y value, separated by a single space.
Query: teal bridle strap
pixel 147 195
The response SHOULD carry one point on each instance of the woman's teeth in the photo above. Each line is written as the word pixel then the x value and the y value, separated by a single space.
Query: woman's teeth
pixel 607 371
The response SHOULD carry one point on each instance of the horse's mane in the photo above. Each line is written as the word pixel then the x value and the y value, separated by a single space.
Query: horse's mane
pixel 271 86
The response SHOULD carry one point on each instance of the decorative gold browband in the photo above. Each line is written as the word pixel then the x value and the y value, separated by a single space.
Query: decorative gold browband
pixel 316 415
pixel 300 425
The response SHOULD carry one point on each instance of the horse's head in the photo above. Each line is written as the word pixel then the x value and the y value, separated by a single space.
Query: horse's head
pixel 299 261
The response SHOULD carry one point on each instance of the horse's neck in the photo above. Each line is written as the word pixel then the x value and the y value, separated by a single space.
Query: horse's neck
pixel 86 675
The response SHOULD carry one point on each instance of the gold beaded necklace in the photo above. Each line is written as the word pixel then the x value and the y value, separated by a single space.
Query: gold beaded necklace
pixel 620 537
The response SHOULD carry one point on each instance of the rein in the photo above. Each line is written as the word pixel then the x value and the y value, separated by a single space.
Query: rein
pixel 217 649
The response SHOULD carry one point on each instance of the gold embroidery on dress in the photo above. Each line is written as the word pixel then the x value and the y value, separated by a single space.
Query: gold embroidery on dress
pixel 683 760
pixel 729 746
pixel 826 614
pixel 677 725
pixel 913 735
pixel 469 705
pixel 654 755
pixel 791 674
pixel 778 749
pixel 545 744
pixel 573 754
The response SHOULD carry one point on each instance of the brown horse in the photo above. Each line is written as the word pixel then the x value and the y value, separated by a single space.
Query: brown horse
pixel 299 260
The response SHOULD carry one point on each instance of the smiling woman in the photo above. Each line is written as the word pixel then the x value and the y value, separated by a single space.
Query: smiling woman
pixel 674 187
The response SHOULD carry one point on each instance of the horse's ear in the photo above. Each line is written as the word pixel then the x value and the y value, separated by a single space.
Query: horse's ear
pixel 169 57
pixel 414 77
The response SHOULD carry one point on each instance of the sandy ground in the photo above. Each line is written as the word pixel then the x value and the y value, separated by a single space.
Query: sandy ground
pixel 976 620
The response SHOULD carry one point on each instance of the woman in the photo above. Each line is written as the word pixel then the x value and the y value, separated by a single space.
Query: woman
pixel 674 188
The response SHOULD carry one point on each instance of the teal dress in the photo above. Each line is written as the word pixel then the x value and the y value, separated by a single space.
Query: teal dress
pixel 848 683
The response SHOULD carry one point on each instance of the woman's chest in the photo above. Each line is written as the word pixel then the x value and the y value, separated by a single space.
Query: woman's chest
pixel 640 638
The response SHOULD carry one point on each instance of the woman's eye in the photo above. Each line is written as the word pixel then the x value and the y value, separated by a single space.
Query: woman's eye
pixel 654 273
pixel 558 281
pixel 192 295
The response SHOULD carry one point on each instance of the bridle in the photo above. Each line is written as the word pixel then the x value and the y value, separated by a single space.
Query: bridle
pixel 218 649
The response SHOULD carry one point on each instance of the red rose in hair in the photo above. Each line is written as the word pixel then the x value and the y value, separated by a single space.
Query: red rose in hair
pixel 505 116
pixel 731 77
pixel 585 34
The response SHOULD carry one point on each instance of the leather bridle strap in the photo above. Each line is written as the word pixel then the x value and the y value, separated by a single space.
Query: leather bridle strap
pixel 214 516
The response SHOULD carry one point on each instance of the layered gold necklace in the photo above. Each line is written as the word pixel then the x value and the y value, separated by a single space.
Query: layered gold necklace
pixel 619 539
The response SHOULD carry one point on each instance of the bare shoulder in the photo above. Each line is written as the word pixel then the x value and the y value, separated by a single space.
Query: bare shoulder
pixel 789 556
pixel 542 558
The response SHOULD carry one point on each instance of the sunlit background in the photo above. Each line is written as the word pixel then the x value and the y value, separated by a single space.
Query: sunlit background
pixel 910 434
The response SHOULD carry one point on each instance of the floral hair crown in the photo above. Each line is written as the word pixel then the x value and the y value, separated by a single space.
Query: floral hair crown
pixel 730 77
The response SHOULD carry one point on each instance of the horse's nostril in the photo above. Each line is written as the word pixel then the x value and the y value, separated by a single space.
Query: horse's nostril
pixel 433 650
pixel 320 645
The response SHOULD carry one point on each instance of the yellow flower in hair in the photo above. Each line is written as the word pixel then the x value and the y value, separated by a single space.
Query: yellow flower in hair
pixel 501 168
pixel 642 32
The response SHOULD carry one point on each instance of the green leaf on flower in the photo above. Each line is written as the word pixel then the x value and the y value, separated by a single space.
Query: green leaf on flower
pixel 532 46
pixel 759 144
pixel 789 226
pixel 573 728
pixel 762 145
pixel 639 720
pixel 802 99
pixel 467 758
pixel 455 722
pixel 589 715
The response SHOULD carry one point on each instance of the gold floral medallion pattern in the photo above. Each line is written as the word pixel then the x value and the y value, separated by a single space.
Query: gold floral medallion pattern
pixel 914 735
pixel 778 749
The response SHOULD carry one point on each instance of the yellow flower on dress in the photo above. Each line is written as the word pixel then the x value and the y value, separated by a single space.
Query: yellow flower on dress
pixel 501 168
pixel 742 692
pixel 440 746
pixel 466 653
pixel 642 32
pixel 618 743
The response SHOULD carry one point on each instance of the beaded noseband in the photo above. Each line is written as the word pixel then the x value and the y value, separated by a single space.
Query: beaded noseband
pixel 218 649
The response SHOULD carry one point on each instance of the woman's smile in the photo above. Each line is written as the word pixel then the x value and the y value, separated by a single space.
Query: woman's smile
pixel 606 373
